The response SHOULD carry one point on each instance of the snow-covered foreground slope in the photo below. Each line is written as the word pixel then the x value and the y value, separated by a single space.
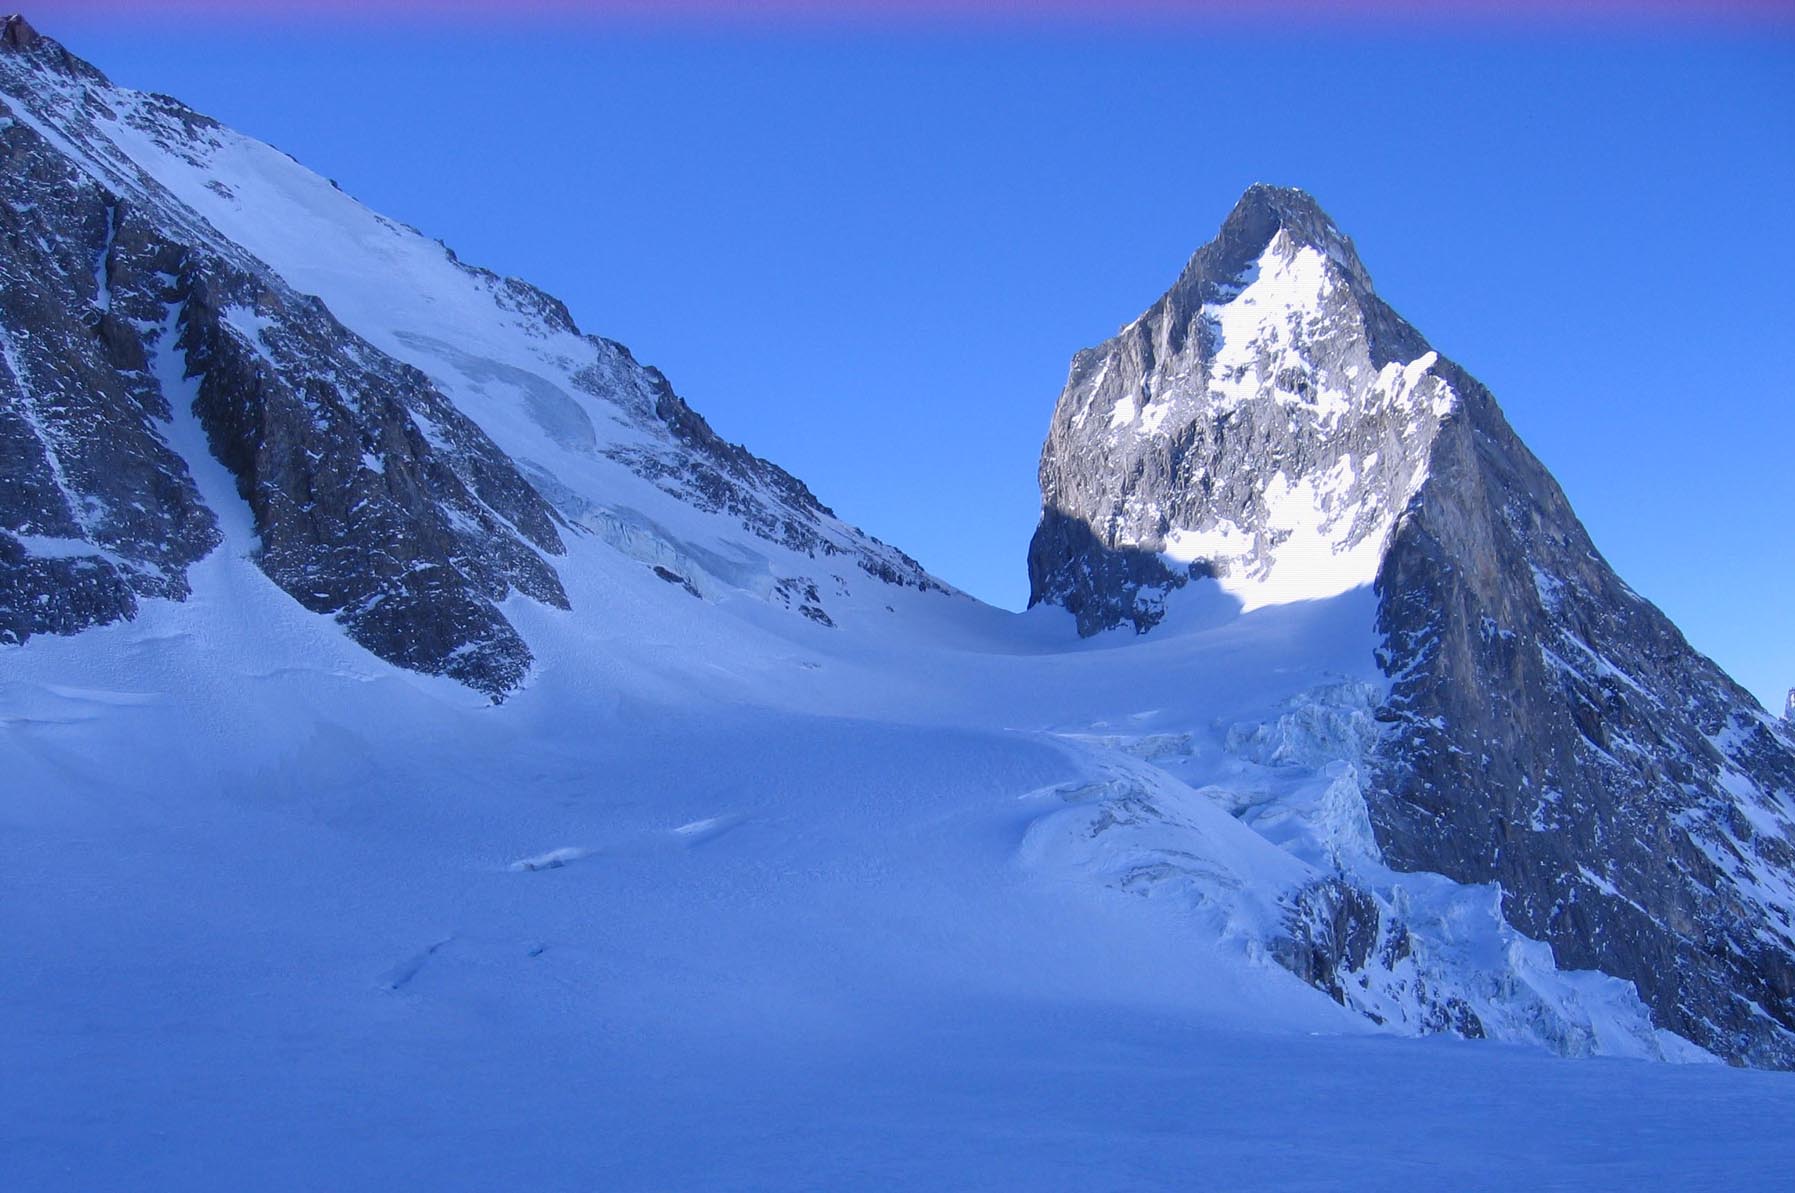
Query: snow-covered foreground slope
pixel 731 900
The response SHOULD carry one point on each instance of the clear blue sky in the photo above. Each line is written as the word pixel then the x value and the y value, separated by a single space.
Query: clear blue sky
pixel 869 254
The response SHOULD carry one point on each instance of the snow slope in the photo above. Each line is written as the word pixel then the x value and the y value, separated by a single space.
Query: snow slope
pixel 727 899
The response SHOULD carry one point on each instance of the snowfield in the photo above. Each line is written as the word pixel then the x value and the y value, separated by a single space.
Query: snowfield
pixel 724 899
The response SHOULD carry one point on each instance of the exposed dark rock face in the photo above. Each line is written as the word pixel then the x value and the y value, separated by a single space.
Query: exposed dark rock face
pixel 374 499
pixel 96 511
pixel 1547 729
pixel 1101 584
pixel 1339 940
pixel 16 33
pixel 1551 731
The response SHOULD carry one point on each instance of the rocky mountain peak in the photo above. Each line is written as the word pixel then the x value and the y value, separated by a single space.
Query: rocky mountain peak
pixel 1789 707
pixel 22 44
pixel 1268 409
pixel 1271 427
pixel 16 33
pixel 1264 211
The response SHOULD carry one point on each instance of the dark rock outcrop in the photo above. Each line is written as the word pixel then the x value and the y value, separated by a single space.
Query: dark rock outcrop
pixel 1339 940
pixel 16 33
pixel 709 473
pixel 96 510
pixel 374 499
pixel 1551 731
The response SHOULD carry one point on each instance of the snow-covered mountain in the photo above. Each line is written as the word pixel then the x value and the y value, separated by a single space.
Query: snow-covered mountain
pixel 179 294
pixel 434 757
pixel 1272 431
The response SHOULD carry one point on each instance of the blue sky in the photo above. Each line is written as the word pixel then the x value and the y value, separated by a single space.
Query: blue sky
pixel 869 254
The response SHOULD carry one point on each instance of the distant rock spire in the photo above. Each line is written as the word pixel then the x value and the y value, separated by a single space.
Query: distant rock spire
pixel 1789 706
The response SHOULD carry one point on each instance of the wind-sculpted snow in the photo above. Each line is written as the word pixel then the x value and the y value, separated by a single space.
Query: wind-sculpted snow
pixel 417 439
pixel 1271 430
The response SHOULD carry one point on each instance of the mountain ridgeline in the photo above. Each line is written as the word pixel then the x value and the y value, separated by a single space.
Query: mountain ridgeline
pixel 1272 426
pixel 140 343
pixel 214 363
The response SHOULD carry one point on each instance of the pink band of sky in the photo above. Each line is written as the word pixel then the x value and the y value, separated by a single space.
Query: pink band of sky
pixel 1467 14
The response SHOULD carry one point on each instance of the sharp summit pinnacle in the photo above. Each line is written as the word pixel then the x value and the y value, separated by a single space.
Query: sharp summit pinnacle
pixel 16 33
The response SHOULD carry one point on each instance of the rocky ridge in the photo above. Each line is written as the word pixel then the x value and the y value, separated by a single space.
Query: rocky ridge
pixel 377 497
